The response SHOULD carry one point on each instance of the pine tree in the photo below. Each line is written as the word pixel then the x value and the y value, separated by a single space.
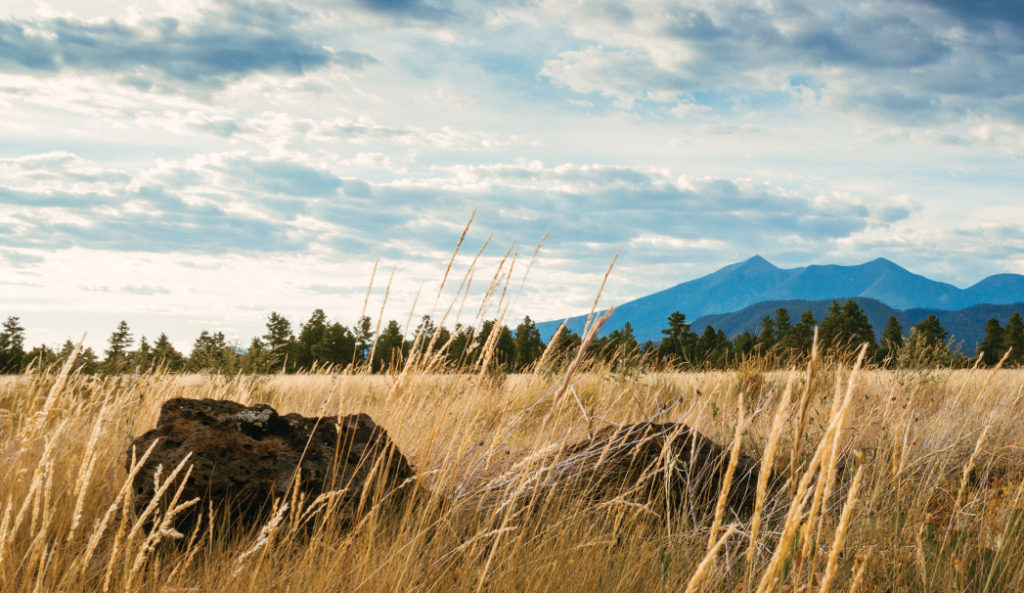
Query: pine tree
pixel 745 343
pixel 211 352
pixel 926 345
pixel 857 326
pixel 830 331
pixel 166 356
pixel 363 332
pixel 504 349
pixel 801 338
pixel 707 344
pixel 846 328
pixel 424 334
pixel 391 348
pixel 335 347
pixel 679 342
pixel 768 334
pixel 279 331
pixel 90 363
pixel 116 355
pixel 931 333
pixel 991 346
pixel 1013 337
pixel 566 344
pixel 257 359
pixel 892 340
pixel 713 348
pixel 40 357
pixel 311 334
pixel 458 351
pixel 783 326
pixel 528 345
pixel 280 341
pixel 12 346
pixel 142 358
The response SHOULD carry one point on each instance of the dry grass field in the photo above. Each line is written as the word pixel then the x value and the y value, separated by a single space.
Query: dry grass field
pixel 903 481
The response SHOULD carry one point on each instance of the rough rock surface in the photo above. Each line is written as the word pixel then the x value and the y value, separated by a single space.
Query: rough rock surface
pixel 242 457
pixel 646 461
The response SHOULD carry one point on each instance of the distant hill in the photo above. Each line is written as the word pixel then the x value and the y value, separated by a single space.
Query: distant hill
pixel 966 326
pixel 756 280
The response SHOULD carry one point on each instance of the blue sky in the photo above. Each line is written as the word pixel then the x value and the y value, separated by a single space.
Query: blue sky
pixel 195 165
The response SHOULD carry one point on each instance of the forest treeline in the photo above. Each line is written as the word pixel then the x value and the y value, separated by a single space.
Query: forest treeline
pixel 320 343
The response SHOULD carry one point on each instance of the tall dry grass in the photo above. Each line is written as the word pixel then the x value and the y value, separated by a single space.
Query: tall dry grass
pixel 901 481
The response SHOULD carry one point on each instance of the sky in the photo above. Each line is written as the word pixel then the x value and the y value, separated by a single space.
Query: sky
pixel 190 166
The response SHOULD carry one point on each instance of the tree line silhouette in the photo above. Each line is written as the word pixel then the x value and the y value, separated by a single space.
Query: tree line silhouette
pixel 320 343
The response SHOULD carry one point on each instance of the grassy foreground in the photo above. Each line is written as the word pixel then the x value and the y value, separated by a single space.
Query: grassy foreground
pixel 899 481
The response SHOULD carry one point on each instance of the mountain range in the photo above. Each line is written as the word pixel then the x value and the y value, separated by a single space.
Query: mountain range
pixel 751 289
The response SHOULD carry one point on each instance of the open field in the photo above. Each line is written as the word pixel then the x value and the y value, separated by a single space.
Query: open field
pixel 938 504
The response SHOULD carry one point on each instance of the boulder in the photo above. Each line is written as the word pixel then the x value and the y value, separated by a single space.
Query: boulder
pixel 245 456
pixel 646 462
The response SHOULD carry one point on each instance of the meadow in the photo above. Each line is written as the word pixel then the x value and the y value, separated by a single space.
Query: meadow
pixel 897 480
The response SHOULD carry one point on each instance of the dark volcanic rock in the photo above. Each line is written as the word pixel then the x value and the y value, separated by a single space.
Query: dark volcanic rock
pixel 242 457
pixel 647 461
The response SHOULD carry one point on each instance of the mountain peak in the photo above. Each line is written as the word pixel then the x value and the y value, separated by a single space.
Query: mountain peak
pixel 881 262
pixel 757 262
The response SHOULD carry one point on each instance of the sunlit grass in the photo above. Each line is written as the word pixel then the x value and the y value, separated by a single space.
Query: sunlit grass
pixel 938 504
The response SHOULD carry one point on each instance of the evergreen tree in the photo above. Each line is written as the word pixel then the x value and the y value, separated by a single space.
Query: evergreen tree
pixel 279 331
pixel 783 329
pixel 311 334
pixel 800 339
pixel 166 356
pixel 12 346
pixel 87 361
pixel 931 333
pixel 211 352
pixel 1013 337
pixel 830 331
pixel 745 343
pixel 279 341
pixel 768 335
pixel 458 351
pixel 504 349
pixel 424 334
pixel 845 328
pixel 363 332
pixel 926 345
pixel 142 358
pixel 40 358
pixel 619 348
pixel 991 346
pixel 336 347
pixel 90 361
pixel 679 342
pixel 116 355
pixel 257 360
pixel 391 348
pixel 858 327
pixel 712 348
pixel 892 340
pixel 481 338
pixel 504 346
pixel 528 345
pixel 442 339
pixel 565 348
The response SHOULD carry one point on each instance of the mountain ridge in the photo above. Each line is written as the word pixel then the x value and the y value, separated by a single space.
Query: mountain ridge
pixel 737 286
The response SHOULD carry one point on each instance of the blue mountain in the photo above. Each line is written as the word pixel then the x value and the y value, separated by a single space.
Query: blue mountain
pixel 757 280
